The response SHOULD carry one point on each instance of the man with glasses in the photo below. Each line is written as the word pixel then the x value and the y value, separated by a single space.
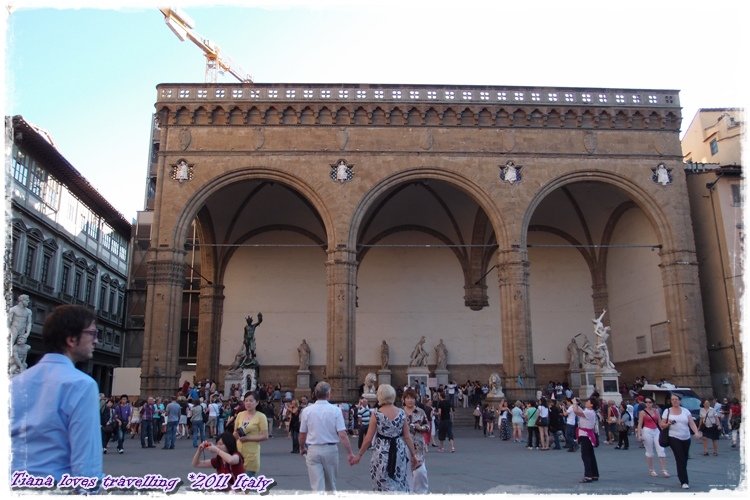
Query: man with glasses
pixel 54 422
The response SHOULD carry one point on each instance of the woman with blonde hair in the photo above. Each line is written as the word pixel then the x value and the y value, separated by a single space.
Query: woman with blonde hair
pixel 517 421
pixel 389 434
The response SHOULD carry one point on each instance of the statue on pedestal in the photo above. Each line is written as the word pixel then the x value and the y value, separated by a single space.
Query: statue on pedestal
pixel 20 350
pixel 304 356
pixel 249 338
pixel 19 318
pixel 495 385
pixel 370 386
pixel 441 356
pixel 419 355
pixel 385 354
pixel 602 351
pixel 574 355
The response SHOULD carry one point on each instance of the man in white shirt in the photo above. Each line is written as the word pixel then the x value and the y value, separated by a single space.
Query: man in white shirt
pixel 321 428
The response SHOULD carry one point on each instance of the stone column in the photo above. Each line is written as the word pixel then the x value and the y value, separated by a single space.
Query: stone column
pixel 687 337
pixel 159 363
pixel 518 359
pixel 341 268
pixel 210 314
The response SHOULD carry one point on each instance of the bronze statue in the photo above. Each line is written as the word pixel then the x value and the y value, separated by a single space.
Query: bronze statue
pixel 250 336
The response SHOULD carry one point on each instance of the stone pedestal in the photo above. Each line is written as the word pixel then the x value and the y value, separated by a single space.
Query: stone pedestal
pixel 247 378
pixel 416 374
pixel 384 377
pixel 583 382
pixel 608 385
pixel 371 398
pixel 303 384
pixel 442 377
pixel 232 378
pixel 494 398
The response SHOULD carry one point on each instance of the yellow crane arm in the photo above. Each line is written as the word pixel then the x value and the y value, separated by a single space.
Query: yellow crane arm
pixel 182 26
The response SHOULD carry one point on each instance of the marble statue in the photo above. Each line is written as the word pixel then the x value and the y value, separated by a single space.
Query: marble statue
pixel 250 336
pixel 441 356
pixel 574 355
pixel 238 359
pixel 495 385
pixel 602 351
pixel 19 318
pixel 304 356
pixel 371 381
pixel 588 357
pixel 385 354
pixel 20 350
pixel 419 355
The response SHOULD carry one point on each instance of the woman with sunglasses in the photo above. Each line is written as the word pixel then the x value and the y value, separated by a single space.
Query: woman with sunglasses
pixel 648 432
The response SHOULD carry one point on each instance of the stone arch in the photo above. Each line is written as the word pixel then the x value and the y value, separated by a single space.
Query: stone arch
pixel 272 116
pixel 361 116
pixel 200 117
pixel 182 116
pixel 343 117
pixel 199 198
pixel 325 117
pixel 414 117
pixel 218 116
pixel 236 116
pixel 290 116
pixel 431 117
pixel 307 116
pixel 474 191
pixel 254 116
pixel 378 116
pixel 650 206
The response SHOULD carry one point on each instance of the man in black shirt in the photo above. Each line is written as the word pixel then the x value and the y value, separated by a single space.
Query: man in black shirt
pixel 445 416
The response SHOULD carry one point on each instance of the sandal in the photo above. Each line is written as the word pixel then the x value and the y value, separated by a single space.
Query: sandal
pixel 652 473
pixel 586 480
pixel 665 473
pixel 453 450
pixel 716 454
pixel 705 453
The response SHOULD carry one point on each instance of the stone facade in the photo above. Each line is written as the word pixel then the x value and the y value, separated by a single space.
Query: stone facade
pixel 450 143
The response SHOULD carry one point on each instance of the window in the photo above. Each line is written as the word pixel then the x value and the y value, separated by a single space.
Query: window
pixel 20 170
pixel 714 144
pixel 38 179
pixel 111 308
pixel 64 279
pixel 77 285
pixel 736 195
pixel 102 294
pixel 28 268
pixel 89 286
pixel 46 261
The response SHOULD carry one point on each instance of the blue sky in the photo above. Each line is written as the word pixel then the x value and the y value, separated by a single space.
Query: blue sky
pixel 88 76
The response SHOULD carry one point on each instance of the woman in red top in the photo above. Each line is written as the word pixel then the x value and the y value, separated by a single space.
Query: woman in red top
pixel 227 460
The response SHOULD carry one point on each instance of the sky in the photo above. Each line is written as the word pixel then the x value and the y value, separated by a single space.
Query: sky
pixel 88 76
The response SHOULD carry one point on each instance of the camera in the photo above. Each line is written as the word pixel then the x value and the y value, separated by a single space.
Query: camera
pixel 241 432
pixel 206 444
pixel 673 421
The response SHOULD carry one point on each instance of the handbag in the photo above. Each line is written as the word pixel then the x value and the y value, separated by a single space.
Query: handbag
pixel 664 435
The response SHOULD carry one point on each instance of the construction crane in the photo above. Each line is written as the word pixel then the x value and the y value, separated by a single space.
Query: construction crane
pixel 182 26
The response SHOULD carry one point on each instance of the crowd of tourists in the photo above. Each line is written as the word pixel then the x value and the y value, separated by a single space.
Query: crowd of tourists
pixel 555 421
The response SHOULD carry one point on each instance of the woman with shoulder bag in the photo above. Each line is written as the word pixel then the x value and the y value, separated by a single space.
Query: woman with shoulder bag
pixel 623 427
pixel 648 432
pixel 679 421
pixel 709 426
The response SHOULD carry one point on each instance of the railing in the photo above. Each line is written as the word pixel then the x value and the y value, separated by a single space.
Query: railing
pixel 539 96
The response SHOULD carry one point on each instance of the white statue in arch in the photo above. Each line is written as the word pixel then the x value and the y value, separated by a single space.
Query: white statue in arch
pixel 419 355
pixel 602 334
pixel 371 381
pixel 495 385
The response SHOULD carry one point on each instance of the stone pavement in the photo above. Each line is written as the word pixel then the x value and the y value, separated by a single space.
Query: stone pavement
pixel 479 465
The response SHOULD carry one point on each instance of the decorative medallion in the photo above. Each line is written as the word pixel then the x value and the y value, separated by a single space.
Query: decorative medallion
pixel 661 174
pixel 185 138
pixel 343 138
pixel 427 141
pixel 589 141
pixel 182 171
pixel 508 140
pixel 341 171
pixel 510 172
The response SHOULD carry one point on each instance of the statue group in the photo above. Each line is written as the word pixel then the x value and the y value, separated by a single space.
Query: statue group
pixel 588 355
pixel 246 357
pixel 419 355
